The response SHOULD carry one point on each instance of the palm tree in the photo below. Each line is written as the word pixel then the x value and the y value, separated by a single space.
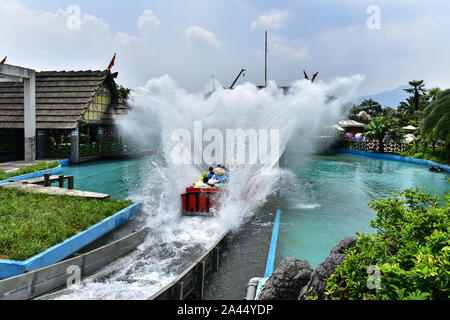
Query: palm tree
pixel 433 93
pixel 418 89
pixel 407 107
pixel 371 104
pixel 436 123
pixel 379 127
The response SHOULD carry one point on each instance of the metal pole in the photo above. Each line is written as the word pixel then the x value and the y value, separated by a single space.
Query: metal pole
pixel 237 78
pixel 265 77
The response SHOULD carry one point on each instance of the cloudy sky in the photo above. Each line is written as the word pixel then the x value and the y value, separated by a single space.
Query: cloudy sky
pixel 390 42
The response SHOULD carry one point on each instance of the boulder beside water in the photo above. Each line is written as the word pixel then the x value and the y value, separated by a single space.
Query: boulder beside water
pixel 295 279
pixel 287 280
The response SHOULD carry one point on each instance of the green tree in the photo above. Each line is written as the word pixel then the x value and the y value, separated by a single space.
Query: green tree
pixel 370 104
pixel 433 93
pixel 436 122
pixel 379 127
pixel 123 92
pixel 407 108
pixel 418 90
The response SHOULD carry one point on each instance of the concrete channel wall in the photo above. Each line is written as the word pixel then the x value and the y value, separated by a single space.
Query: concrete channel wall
pixel 192 281
pixel 57 276
pixel 11 268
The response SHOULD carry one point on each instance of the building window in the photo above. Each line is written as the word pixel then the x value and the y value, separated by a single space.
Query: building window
pixel 98 106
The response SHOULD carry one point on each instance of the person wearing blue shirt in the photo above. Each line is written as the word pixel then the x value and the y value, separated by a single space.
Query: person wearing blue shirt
pixel 211 173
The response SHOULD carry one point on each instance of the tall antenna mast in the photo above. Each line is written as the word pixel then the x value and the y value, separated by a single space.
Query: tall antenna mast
pixel 265 78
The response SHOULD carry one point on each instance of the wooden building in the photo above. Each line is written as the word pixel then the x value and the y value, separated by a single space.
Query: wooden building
pixel 74 113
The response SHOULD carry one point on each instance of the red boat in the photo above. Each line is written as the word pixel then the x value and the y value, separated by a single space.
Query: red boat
pixel 200 201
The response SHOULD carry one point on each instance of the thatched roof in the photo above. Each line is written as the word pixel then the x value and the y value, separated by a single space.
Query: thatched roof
pixel 62 98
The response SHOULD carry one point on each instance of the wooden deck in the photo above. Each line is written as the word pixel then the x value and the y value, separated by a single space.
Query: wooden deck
pixel 40 180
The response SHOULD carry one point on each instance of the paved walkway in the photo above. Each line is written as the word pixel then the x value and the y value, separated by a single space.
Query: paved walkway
pixel 13 165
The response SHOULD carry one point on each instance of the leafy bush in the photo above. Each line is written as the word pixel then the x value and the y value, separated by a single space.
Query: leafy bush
pixel 411 250
pixel 90 149
pixel 425 152
pixel 57 150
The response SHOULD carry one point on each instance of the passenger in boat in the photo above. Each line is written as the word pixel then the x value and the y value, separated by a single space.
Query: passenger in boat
pixel 202 182
pixel 223 167
pixel 219 170
pixel 211 173
pixel 213 181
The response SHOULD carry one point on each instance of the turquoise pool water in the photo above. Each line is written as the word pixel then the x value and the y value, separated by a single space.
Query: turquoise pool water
pixel 330 199
pixel 119 178
pixel 328 202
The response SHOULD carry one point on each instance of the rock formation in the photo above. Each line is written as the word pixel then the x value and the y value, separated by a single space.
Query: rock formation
pixel 287 280
pixel 294 279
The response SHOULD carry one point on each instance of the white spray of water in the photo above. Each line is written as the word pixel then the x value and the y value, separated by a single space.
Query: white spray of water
pixel 159 108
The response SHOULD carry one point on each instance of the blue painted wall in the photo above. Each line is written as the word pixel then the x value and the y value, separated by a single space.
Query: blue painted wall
pixel 38 174
pixel 392 157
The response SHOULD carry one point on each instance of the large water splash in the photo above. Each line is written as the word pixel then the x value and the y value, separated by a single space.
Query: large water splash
pixel 161 107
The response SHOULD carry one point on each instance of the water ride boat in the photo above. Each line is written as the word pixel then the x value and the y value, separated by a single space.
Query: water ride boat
pixel 203 199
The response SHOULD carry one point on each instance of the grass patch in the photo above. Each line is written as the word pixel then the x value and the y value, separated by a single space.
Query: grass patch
pixel 30 169
pixel 31 223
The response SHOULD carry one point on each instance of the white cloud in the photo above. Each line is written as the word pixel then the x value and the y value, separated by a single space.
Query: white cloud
pixel 196 34
pixel 272 20
pixel 403 49
pixel 279 47
pixel 147 21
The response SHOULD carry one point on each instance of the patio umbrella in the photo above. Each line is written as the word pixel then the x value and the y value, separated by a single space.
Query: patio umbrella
pixel 408 138
pixel 409 128
pixel 358 136
pixel 349 135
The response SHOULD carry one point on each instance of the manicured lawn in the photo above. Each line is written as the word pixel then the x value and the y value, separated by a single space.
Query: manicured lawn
pixel 31 223
pixel 30 169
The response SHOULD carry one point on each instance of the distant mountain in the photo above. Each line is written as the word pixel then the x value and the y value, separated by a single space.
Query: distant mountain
pixel 390 98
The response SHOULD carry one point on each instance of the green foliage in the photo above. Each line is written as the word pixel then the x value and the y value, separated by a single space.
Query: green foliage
pixel 426 152
pixel 418 90
pixel 60 151
pixel 90 149
pixel 411 250
pixel 433 93
pixel 436 123
pixel 30 223
pixel 380 126
pixel 29 169
pixel 123 92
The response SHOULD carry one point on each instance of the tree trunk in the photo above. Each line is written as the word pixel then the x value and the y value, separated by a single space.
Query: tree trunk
pixel 416 100
pixel 434 147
